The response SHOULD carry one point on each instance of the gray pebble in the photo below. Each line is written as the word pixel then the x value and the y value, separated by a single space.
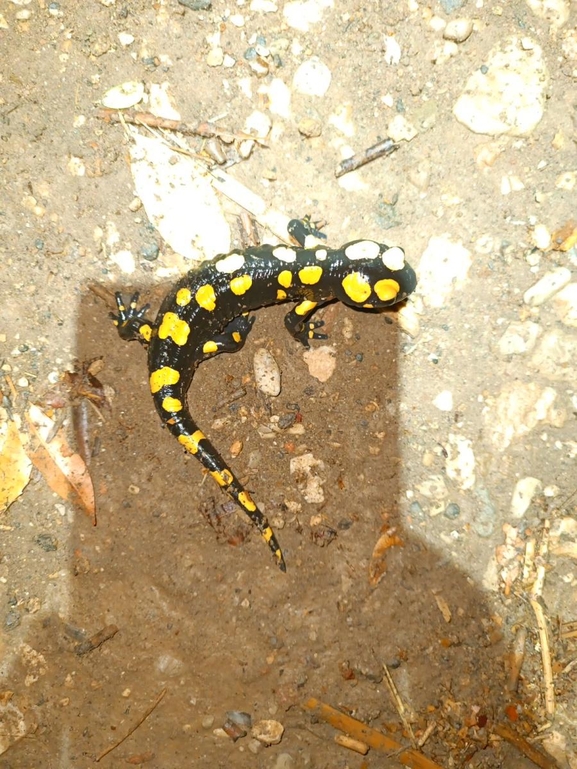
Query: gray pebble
pixel 12 620
pixel 150 252
pixel 449 6
pixel 452 511
pixel 197 5
pixel 47 542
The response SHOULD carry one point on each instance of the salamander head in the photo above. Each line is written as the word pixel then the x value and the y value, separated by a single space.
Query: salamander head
pixel 373 275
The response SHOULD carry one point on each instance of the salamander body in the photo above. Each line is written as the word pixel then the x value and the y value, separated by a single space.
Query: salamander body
pixel 207 312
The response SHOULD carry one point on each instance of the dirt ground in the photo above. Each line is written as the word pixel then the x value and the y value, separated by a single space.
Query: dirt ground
pixel 205 616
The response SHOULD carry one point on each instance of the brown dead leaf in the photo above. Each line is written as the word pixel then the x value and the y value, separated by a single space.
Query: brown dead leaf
pixel 64 470
pixel 378 564
pixel 15 466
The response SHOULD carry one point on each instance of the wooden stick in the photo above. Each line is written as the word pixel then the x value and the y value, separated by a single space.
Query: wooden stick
pixel 545 656
pixel 530 751
pixel 517 659
pixel 371 737
pixel 133 728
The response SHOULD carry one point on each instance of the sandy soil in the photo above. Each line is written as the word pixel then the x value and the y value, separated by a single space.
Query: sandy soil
pixel 213 624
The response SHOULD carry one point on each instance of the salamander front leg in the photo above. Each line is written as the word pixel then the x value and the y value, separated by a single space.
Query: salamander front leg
pixel 299 325
pixel 131 322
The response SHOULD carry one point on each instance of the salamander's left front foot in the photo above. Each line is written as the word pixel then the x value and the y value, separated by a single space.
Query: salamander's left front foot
pixel 131 322
pixel 308 332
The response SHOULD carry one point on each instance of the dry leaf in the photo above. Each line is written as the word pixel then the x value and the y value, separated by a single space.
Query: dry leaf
pixel 378 564
pixel 64 469
pixel 15 466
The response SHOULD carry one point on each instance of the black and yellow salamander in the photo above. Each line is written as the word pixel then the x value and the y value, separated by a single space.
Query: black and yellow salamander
pixel 207 312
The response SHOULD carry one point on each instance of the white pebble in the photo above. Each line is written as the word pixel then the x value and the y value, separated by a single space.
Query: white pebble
pixel 507 94
pixel 460 464
pixel 444 401
pixel 301 14
pixel 548 286
pixel 458 30
pixel 566 181
pixel 392 50
pixel 125 38
pixel 541 237
pixel 266 372
pixel 306 470
pixel 523 494
pixel 312 78
pixel 23 15
pixel 400 129
pixel 124 95
pixel 215 57
pixel 511 183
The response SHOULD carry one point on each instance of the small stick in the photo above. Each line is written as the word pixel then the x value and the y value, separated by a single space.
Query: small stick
pixel 379 150
pixel 517 659
pixel 371 737
pixel 133 728
pixel 545 656
pixel 206 130
pixel 530 751
pixel 398 703
pixel 96 640
pixel 348 742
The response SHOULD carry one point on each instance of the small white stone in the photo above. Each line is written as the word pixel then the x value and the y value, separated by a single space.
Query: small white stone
pixel 125 38
pixel 444 401
pixel 3 22
pixel 306 470
pixel 460 464
pixel 161 102
pixel 258 124
pixel 392 50
pixel 523 495
pixel 400 129
pixel 279 97
pixel 215 57
pixel 124 260
pixel 312 78
pixel 548 286
pixel 23 15
pixel 266 373
pixel 541 237
pixel 458 30
pixel 302 14
pixel 236 19
pixel 123 96
pixel 321 362
pixel 76 166
pixel 437 24
pixel 511 183
pixel 228 61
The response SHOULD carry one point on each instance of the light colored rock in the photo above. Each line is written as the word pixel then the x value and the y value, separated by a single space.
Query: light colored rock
pixel 547 286
pixel 460 464
pixel 519 408
pixel 302 14
pixel 556 12
pixel 266 373
pixel 520 337
pixel 444 401
pixel 565 305
pixel 444 268
pixel 305 468
pixel 566 181
pixel 312 78
pixel 124 95
pixel 541 237
pixel 401 130
pixel 523 494
pixel 507 94
pixel 321 362
pixel 161 101
pixel 556 357
pixel 458 30
pixel 215 57
pixel 268 732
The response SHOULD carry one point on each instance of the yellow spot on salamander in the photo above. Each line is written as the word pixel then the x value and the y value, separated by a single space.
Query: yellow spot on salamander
pixel 206 297
pixel 237 337
pixel 357 287
pixel 246 501
pixel 183 297
pixel 240 285
pixel 209 347
pixel 285 278
pixel 190 442
pixel 171 404
pixel 363 249
pixel 145 331
pixel 267 534
pixel 305 307
pixel 387 289
pixel 280 295
pixel 311 274
pixel 175 328
pixel 162 377
pixel 223 477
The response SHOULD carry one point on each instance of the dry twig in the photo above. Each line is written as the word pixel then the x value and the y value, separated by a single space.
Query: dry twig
pixel 399 705
pixel 530 751
pixel 133 728
pixel 371 737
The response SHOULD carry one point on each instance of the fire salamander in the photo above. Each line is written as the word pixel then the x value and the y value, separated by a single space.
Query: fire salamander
pixel 207 312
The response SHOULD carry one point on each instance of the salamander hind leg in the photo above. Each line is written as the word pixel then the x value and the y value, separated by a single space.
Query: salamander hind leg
pixel 231 339
pixel 197 444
